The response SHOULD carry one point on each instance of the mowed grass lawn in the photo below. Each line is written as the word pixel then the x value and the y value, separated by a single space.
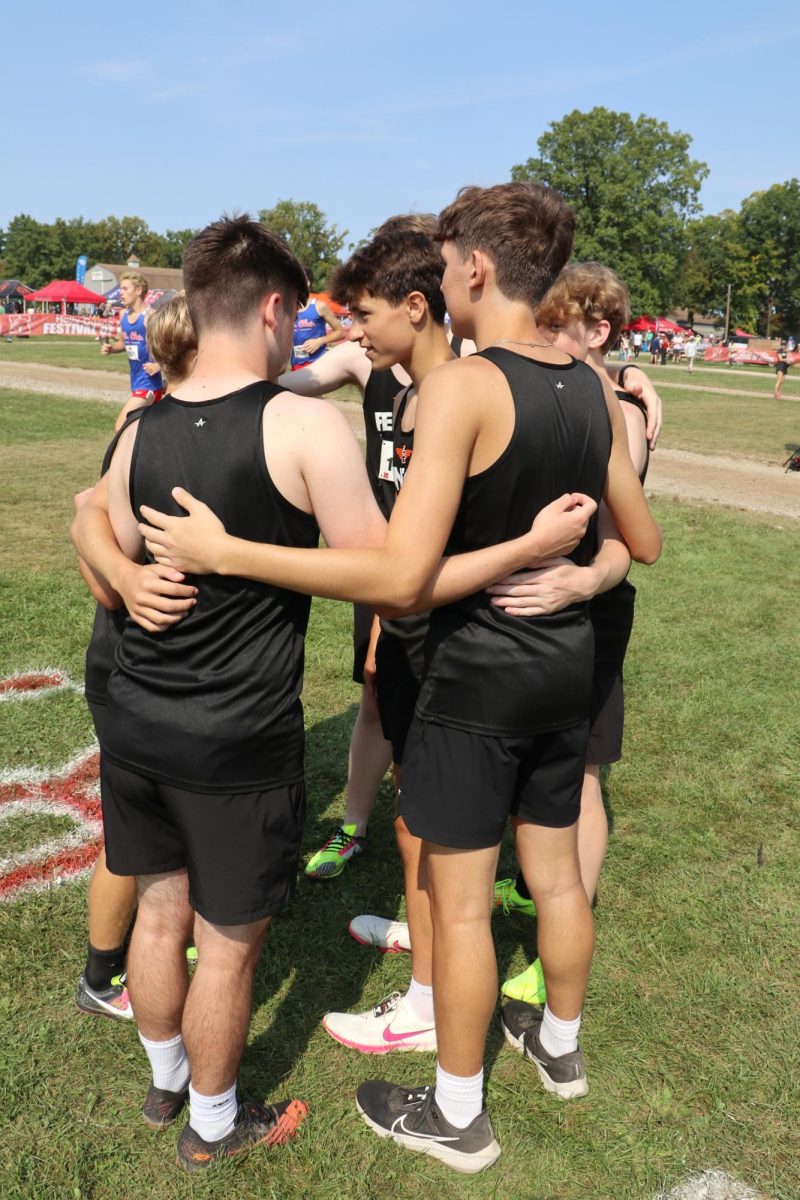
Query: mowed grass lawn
pixel 691 1025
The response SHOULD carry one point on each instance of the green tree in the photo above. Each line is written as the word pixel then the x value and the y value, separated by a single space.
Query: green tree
pixel 173 244
pixel 305 229
pixel 633 187
pixel 121 237
pixel 717 255
pixel 771 231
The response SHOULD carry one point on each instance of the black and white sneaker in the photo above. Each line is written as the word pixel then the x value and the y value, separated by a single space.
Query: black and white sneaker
pixel 411 1118
pixel 565 1075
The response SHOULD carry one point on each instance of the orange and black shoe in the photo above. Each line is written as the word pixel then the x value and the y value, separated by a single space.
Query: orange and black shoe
pixel 161 1107
pixel 256 1124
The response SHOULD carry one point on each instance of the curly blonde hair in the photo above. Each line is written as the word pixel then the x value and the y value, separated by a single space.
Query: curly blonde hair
pixel 171 338
pixel 591 293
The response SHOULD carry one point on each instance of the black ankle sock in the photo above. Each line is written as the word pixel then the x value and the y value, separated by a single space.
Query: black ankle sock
pixel 522 887
pixel 103 965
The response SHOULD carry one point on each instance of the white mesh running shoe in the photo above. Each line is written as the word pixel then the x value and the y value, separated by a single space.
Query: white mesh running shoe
pixel 390 937
pixel 390 1025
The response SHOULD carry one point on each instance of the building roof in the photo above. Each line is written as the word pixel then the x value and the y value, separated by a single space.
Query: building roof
pixel 159 279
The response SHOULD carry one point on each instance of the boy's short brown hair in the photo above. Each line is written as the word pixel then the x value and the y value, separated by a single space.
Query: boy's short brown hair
pixel 589 292
pixel 527 229
pixel 170 337
pixel 410 223
pixel 228 268
pixel 137 280
pixel 390 267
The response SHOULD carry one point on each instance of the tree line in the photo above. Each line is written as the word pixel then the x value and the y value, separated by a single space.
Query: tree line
pixel 632 183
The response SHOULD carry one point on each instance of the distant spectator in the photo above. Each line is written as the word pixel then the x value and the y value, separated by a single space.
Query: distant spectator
pixel 663 349
pixel 655 347
pixel 677 347
pixel 781 370
pixel 624 347
pixel 637 344
pixel 690 350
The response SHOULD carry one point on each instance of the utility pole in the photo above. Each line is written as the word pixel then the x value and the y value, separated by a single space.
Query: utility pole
pixel 727 316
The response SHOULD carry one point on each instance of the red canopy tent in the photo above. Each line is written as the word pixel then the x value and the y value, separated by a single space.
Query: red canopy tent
pixel 742 334
pixel 66 291
pixel 667 326
pixel 642 324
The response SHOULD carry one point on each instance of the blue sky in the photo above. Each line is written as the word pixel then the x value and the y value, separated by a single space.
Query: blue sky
pixel 176 112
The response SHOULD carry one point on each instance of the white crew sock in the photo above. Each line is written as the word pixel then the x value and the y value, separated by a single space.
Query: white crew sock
pixel 212 1116
pixel 459 1098
pixel 558 1037
pixel 168 1062
pixel 419 998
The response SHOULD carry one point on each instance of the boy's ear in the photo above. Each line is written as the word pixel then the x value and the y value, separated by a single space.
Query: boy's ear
pixel 270 309
pixel 478 268
pixel 416 307
pixel 600 334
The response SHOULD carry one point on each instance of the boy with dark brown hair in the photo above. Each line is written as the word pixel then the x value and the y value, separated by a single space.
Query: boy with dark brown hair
pixel 501 720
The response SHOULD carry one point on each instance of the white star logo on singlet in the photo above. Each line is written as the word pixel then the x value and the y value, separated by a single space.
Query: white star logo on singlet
pixel 559 385
pixel 200 423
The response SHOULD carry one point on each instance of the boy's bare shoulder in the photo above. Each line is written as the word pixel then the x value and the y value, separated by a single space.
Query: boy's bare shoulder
pixel 461 374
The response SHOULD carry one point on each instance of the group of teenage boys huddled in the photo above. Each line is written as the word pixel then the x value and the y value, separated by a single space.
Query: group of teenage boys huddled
pixel 510 477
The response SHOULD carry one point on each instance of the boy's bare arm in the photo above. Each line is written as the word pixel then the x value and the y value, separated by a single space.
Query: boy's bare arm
pixel 394 576
pixel 154 595
pixel 344 363
pixel 639 384
pixel 561 582
pixel 623 494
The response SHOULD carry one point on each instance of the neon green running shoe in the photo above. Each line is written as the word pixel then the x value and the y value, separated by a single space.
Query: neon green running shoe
pixel 331 860
pixel 529 986
pixel 508 898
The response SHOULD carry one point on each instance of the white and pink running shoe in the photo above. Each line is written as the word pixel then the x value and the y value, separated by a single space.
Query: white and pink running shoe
pixel 390 1025
pixel 390 937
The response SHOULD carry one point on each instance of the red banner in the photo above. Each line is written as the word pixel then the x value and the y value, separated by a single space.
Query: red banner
pixel 34 324
pixel 741 354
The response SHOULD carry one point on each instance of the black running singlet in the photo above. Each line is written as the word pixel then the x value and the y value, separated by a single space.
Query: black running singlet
pixel 612 612
pixel 486 671
pixel 213 703
pixel 108 624
pixel 410 631
pixel 379 397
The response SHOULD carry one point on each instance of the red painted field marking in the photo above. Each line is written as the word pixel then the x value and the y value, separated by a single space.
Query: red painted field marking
pixel 72 790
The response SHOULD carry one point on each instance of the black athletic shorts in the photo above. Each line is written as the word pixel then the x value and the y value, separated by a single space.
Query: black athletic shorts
pixel 362 625
pixel 606 720
pixel 398 689
pixel 240 851
pixel 460 788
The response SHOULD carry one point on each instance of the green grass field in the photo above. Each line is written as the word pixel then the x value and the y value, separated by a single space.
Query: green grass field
pixel 691 1025
pixel 62 352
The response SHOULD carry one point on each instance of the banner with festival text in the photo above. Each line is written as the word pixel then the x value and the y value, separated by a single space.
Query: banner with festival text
pixel 741 354
pixel 33 324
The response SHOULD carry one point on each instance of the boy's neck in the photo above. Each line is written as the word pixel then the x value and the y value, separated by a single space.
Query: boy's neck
pixel 506 322
pixel 594 359
pixel 225 365
pixel 430 349
pixel 138 306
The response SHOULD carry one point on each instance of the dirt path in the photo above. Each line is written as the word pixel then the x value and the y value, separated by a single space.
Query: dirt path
pixel 704 478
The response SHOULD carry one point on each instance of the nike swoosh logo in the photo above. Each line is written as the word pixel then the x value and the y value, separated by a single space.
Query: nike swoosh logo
pixel 400 1125
pixel 388 1036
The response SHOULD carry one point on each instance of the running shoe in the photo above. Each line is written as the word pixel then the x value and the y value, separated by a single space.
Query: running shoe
pixel 565 1074
pixel 508 898
pixel 529 986
pixel 331 860
pixel 390 937
pixel 256 1125
pixel 161 1106
pixel 112 1001
pixel 390 1025
pixel 411 1119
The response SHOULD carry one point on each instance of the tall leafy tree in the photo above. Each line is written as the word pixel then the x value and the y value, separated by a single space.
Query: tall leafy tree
pixel 633 186
pixel 771 231
pixel 717 256
pixel 305 229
